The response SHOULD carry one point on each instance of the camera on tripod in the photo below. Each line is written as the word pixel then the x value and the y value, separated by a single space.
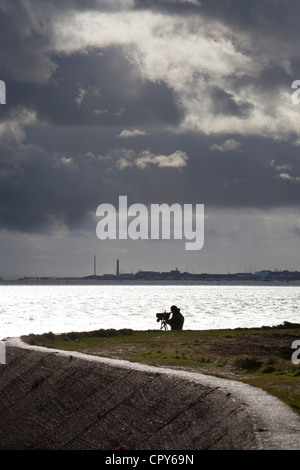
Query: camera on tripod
pixel 163 317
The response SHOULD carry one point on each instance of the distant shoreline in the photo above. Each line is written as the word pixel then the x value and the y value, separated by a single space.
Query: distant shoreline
pixel 121 282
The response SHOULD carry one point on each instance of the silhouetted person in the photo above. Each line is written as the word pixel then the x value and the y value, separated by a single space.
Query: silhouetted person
pixel 177 320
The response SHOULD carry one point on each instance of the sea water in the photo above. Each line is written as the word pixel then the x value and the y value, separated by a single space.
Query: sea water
pixel 59 308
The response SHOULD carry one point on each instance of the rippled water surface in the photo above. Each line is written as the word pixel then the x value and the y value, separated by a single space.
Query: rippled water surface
pixel 59 308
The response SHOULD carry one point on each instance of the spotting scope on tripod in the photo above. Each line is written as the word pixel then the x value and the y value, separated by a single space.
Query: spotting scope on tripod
pixel 163 317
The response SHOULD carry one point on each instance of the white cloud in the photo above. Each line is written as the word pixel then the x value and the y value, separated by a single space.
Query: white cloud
pixel 287 177
pixel 283 167
pixel 144 159
pixel 191 55
pixel 177 159
pixel 123 163
pixel 67 163
pixel 229 145
pixel 79 98
pixel 131 133
pixel 173 48
pixel 99 111
pixel 12 130
pixel 194 2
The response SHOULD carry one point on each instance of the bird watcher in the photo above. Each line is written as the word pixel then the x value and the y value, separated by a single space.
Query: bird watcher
pixel 176 321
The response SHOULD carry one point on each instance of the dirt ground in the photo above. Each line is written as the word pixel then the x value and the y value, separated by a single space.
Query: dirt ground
pixel 260 345
pixel 205 354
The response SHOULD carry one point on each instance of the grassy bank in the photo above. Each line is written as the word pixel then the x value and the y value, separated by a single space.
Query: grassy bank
pixel 258 356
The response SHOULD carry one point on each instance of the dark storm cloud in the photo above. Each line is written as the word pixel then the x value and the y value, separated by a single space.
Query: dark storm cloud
pixel 270 81
pixel 268 16
pixel 251 178
pixel 26 34
pixel 225 103
pixel 46 188
pixel 24 41
pixel 278 17
pixel 169 6
pixel 41 188
pixel 9 162
pixel 97 88
pixel 261 28
pixel 71 159
pixel 79 5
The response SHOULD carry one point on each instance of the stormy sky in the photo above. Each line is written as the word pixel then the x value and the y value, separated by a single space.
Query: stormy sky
pixel 165 101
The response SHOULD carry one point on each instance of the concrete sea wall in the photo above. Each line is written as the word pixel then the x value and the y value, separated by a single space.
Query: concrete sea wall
pixel 55 400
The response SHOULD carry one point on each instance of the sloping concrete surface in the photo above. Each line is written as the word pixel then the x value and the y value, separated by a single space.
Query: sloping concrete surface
pixel 52 399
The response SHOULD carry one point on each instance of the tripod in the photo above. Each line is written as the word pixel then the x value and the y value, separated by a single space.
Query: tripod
pixel 163 324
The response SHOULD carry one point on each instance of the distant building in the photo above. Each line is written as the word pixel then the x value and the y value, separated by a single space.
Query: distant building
pixel 147 275
pixel 262 274
pixel 109 276
pixel 126 276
